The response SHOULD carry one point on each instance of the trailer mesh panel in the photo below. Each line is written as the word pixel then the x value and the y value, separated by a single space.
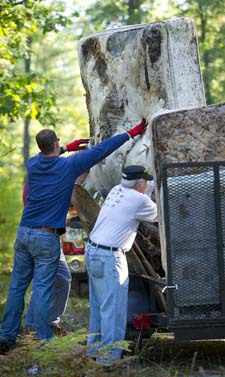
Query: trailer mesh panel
pixel 194 220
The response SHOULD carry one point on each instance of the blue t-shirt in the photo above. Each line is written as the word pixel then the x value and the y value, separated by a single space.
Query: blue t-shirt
pixel 51 181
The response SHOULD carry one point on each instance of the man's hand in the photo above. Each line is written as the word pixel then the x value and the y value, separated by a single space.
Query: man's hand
pixel 139 128
pixel 77 145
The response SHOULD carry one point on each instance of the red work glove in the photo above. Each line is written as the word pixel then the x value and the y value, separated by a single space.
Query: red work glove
pixel 139 128
pixel 76 145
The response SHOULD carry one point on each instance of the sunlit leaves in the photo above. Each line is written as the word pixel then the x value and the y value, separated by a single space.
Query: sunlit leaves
pixel 30 96
pixel 21 94
pixel 210 22
pixel 108 14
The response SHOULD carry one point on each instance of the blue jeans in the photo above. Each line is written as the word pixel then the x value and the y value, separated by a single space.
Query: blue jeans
pixel 108 294
pixel 36 256
pixel 61 293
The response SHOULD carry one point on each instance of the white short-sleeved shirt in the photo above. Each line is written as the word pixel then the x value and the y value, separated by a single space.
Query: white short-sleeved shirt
pixel 119 217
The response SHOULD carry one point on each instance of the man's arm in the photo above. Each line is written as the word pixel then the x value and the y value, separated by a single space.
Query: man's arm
pixel 91 157
pixel 76 145
pixel 147 210
pixel 81 144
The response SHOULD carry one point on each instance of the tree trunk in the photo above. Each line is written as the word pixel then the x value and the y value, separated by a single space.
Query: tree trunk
pixel 134 12
pixel 206 54
pixel 26 137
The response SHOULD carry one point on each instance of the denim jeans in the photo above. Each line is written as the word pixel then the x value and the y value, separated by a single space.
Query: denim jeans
pixel 36 255
pixel 108 295
pixel 62 286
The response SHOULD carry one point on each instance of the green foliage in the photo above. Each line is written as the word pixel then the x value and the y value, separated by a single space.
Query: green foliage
pixel 11 182
pixel 25 95
pixel 57 55
pixel 4 286
pixel 62 356
pixel 108 14
pixel 209 19
pixel 160 357
pixel 66 356
pixel 55 73
pixel 23 20
pixel 30 96
pixel 10 210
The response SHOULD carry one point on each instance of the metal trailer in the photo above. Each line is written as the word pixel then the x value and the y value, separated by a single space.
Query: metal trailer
pixel 193 200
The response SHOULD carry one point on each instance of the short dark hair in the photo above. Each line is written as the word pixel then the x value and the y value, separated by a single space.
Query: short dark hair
pixel 45 140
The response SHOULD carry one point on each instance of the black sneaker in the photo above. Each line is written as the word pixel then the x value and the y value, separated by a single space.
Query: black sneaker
pixel 5 345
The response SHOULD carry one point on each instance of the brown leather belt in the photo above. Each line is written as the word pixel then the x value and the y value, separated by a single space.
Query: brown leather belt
pixel 46 229
pixel 105 247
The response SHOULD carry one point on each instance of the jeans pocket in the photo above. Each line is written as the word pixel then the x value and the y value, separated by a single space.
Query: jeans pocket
pixel 21 241
pixel 96 268
pixel 120 269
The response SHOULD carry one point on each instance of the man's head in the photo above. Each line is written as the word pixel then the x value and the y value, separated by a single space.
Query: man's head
pixel 136 177
pixel 47 141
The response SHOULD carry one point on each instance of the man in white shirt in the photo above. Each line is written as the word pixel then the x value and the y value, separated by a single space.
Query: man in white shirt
pixel 112 236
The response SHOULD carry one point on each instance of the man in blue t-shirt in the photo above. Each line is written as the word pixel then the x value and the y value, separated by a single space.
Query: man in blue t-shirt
pixel 37 246
pixel 62 286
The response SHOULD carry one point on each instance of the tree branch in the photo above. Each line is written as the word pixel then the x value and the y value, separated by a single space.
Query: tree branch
pixel 7 152
pixel 18 3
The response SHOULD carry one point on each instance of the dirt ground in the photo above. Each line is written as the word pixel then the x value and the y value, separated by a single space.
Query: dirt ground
pixel 160 355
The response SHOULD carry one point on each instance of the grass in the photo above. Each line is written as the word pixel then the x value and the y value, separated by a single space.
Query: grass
pixel 184 358
pixel 66 356
pixel 5 278
pixel 4 285
pixel 76 315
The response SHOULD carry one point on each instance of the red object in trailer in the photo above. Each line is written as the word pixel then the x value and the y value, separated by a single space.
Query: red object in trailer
pixel 141 322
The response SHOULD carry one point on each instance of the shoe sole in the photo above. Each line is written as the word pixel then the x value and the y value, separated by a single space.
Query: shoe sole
pixel 4 348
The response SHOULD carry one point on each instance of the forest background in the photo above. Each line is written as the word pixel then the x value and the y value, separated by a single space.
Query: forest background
pixel 40 83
